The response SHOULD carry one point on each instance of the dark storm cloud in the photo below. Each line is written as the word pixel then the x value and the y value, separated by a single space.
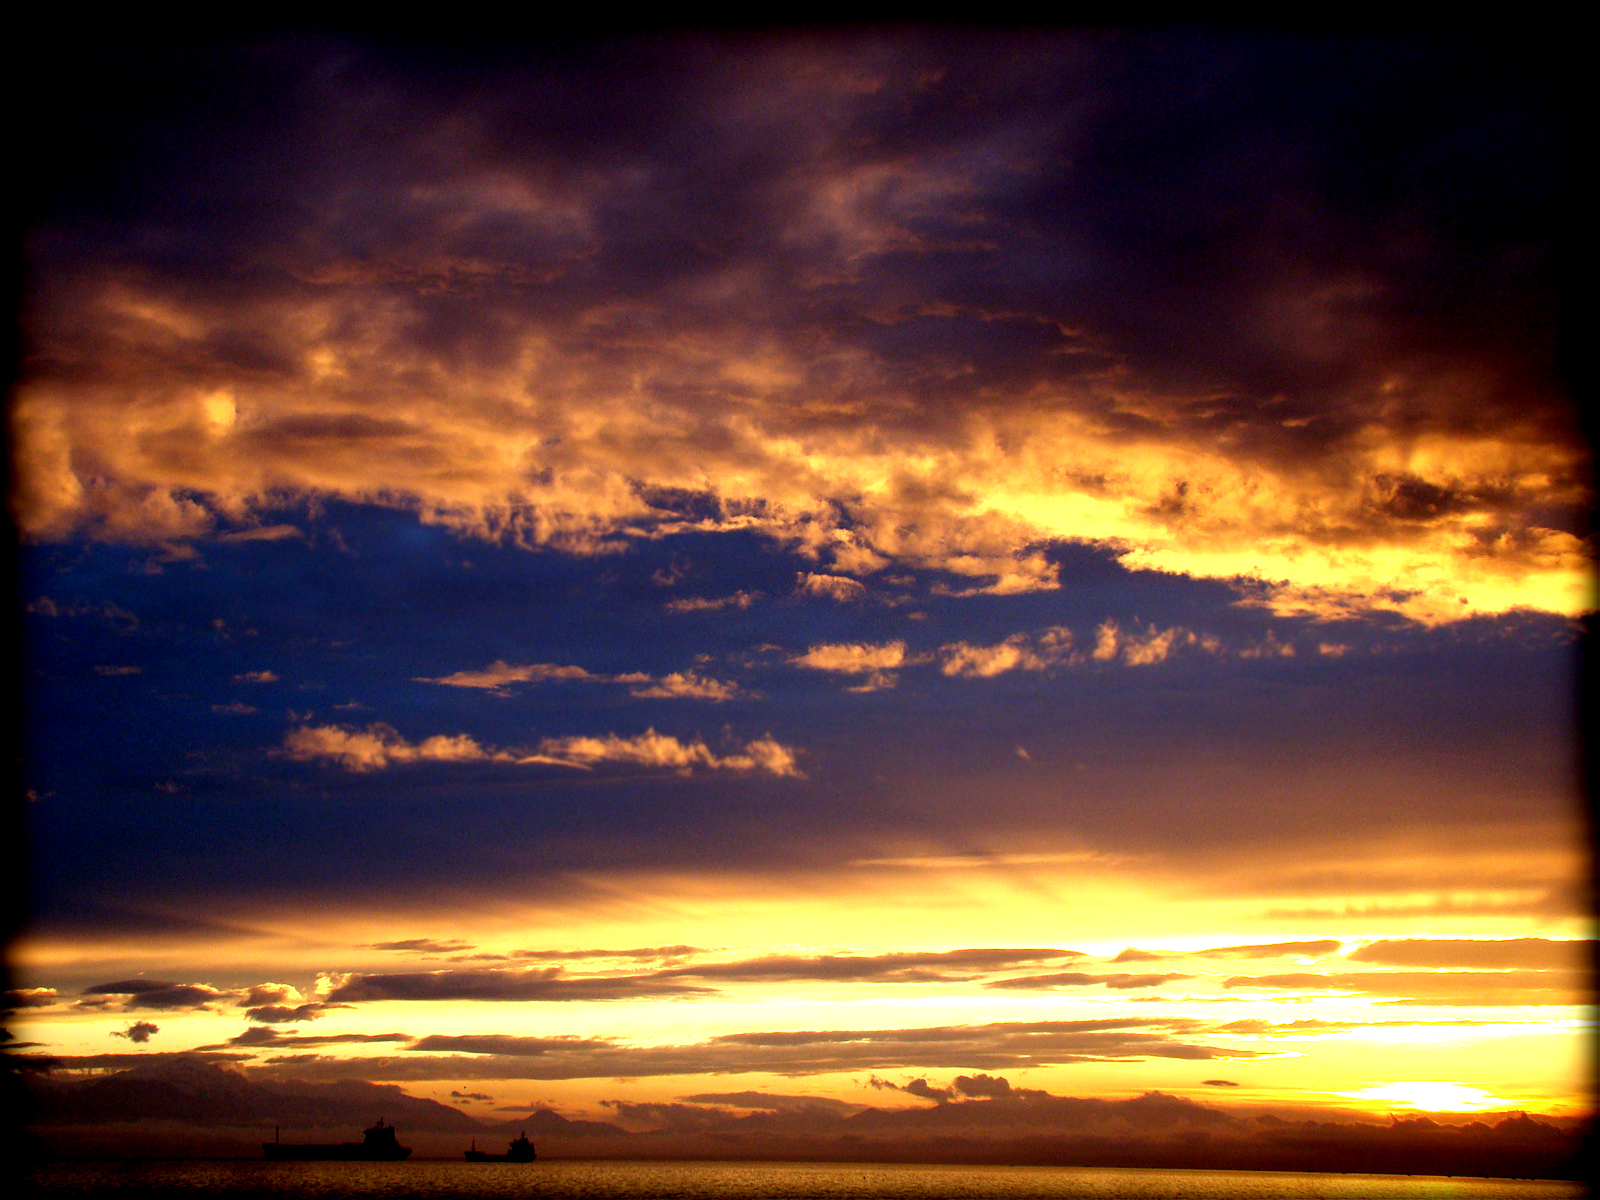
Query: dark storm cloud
pixel 1101 266
pixel 139 1031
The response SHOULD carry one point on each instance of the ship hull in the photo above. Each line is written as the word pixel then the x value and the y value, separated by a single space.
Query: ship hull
pixel 347 1152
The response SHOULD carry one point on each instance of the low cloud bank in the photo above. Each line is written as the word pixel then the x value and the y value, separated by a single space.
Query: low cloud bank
pixel 168 1103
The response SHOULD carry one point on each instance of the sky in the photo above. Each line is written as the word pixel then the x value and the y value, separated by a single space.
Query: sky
pixel 605 572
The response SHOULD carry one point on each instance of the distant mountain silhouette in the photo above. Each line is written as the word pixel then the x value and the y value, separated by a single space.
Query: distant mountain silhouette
pixel 182 1105
pixel 545 1122
pixel 207 1094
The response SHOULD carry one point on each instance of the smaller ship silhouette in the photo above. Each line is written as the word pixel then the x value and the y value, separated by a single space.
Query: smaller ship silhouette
pixel 521 1151
pixel 378 1144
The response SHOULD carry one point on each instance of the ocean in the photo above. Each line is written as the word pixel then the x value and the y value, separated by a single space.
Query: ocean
pixel 611 1180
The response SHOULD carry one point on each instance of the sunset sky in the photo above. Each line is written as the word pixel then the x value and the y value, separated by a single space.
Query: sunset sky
pixel 661 570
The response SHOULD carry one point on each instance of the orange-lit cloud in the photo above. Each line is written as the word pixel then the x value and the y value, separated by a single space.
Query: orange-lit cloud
pixel 480 348
pixel 380 746
pixel 497 676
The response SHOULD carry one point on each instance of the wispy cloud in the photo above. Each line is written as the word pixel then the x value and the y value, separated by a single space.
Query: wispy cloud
pixel 497 676
pixel 380 746
pixel 1134 649
pixel 833 587
pixel 740 599
pixel 510 984
pixel 1116 982
pixel 1445 987
pixel 878 662
pixel 1019 652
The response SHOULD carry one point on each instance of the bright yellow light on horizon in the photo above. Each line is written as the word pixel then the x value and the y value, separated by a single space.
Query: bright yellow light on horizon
pixel 1432 1095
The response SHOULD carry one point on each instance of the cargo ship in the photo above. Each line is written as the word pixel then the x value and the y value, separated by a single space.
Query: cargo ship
pixel 521 1151
pixel 378 1144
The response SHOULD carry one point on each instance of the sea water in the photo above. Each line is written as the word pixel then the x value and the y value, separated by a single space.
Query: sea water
pixel 611 1180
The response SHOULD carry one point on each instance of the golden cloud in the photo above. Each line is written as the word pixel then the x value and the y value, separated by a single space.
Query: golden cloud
pixel 380 746
pixel 482 346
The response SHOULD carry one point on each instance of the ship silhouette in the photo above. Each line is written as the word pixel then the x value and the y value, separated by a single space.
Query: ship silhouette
pixel 378 1144
pixel 521 1151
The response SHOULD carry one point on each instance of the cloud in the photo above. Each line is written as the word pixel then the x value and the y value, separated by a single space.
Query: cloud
pixel 998 1046
pixel 657 750
pixel 380 746
pixel 552 983
pixel 262 533
pixel 256 677
pixel 740 599
pixel 127 995
pixel 647 952
pixel 498 674
pixel 1222 1083
pixel 237 707
pixel 912 361
pixel 962 1087
pixel 1471 988
pixel 423 946
pixel 854 658
pixel 1320 948
pixel 282 1014
pixel 500 985
pixel 889 968
pixel 679 684
pixel 1018 652
pixel 688 685
pixel 120 670
pixel 1448 952
pixel 259 1037
pixel 41 997
pixel 775 1102
pixel 1153 646
pixel 877 662
pixel 139 1031
pixel 1118 982
pixel 832 587
pixel 507 1046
